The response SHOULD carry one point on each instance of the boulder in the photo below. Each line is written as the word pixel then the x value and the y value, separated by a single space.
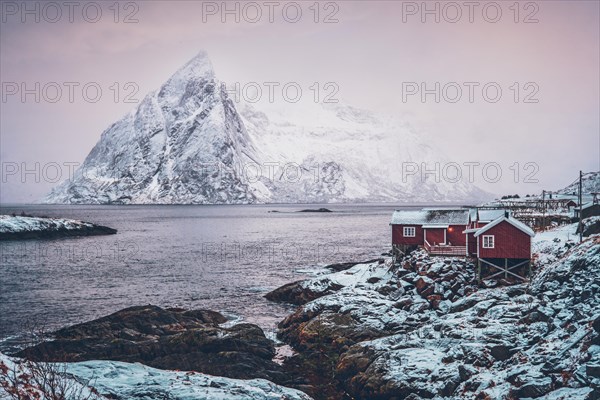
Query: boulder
pixel 534 388
pixel 166 339
pixel 297 293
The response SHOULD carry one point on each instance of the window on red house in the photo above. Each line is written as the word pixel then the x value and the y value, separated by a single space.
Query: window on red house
pixel 409 231
pixel 488 241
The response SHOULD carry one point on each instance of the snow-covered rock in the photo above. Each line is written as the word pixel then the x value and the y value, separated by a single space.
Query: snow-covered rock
pixel 507 343
pixel 126 381
pixel 26 227
pixel 409 332
pixel 552 244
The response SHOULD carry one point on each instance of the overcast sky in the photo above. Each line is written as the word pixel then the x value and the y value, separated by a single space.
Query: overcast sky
pixel 373 52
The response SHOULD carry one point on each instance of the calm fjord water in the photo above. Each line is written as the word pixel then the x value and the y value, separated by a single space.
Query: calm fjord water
pixel 223 258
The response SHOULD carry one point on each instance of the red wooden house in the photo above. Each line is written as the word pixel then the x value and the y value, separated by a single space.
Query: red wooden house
pixel 439 231
pixel 497 240
pixel 478 218
pixel 503 246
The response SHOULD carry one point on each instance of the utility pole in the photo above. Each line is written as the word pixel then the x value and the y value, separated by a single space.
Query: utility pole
pixel 580 206
pixel 543 210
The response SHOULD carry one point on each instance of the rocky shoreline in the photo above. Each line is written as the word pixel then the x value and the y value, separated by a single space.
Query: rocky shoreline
pixel 418 328
pixel 23 227
pixel 423 328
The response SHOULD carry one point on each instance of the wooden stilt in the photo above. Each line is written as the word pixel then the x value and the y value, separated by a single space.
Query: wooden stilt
pixel 504 269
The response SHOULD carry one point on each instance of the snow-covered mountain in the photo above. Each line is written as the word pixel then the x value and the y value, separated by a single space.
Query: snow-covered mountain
pixel 189 142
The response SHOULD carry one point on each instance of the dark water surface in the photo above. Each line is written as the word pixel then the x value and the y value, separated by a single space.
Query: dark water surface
pixel 223 258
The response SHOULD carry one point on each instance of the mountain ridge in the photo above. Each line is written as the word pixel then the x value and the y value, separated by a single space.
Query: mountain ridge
pixel 188 142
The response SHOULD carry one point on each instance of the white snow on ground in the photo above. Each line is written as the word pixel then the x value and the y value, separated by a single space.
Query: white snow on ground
pixel 567 394
pixel 125 381
pixel 349 278
pixel 549 245
pixel 10 224
pixel 564 233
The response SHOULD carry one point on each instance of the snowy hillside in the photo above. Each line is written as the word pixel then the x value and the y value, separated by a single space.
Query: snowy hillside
pixel 590 184
pixel 189 143
pixel 348 154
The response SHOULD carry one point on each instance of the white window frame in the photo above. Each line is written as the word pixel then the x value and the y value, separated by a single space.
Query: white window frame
pixel 490 243
pixel 407 229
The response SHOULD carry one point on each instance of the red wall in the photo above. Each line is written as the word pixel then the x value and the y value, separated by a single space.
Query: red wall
pixel 509 242
pixel 456 236
pixel 397 237
pixel 434 236
pixel 472 244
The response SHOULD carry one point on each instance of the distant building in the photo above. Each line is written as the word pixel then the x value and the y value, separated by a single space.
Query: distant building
pixel 591 209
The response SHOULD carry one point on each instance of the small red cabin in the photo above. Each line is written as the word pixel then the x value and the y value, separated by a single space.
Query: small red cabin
pixel 504 244
pixel 492 236
pixel 439 231
pixel 478 219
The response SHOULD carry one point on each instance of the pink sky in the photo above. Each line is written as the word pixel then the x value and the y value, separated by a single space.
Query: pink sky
pixel 369 53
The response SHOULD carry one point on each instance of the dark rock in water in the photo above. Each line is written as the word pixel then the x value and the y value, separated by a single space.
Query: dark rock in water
pixel 167 339
pixel 347 265
pixel 316 210
pixel 207 316
pixel 296 293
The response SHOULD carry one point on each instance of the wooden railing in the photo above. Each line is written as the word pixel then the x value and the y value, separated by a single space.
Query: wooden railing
pixel 442 250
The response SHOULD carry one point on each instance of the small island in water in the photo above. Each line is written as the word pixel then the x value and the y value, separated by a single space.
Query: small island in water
pixel 18 227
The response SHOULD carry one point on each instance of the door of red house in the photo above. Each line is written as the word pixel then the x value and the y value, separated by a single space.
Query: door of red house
pixel 435 235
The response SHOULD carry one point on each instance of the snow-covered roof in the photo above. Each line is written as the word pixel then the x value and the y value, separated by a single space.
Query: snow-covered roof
pixel 588 205
pixel 431 216
pixel 561 196
pixel 490 215
pixel 514 222
pixel 473 214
